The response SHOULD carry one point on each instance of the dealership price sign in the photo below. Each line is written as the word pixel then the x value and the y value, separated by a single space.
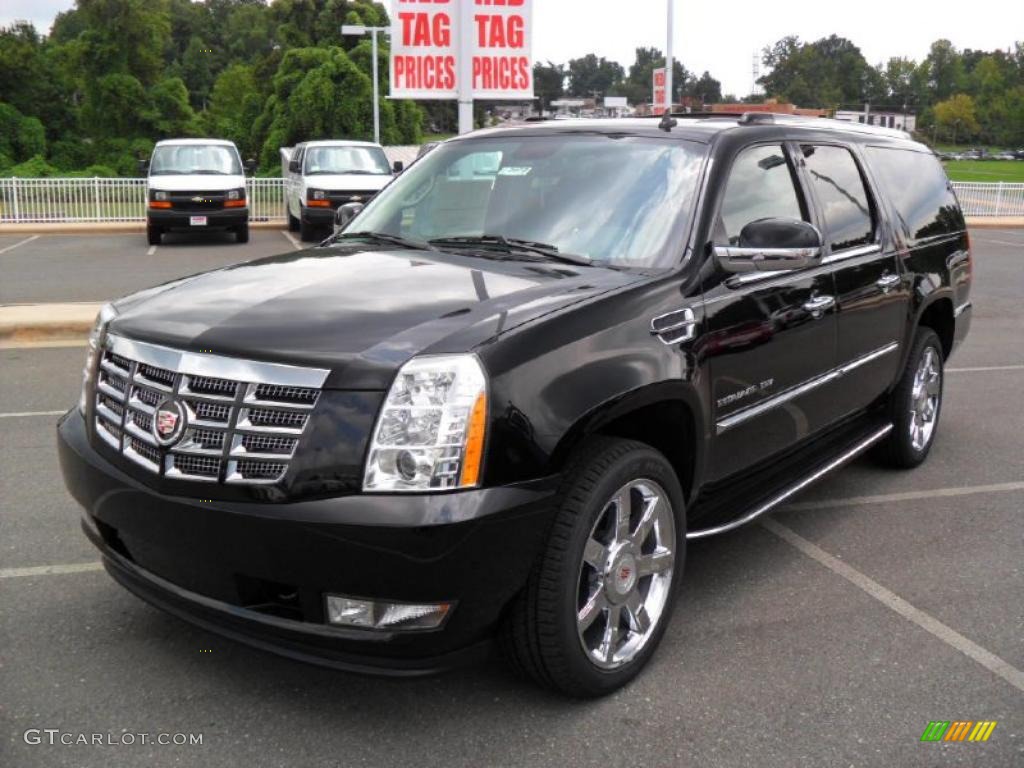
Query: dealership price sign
pixel 430 37
pixel 658 84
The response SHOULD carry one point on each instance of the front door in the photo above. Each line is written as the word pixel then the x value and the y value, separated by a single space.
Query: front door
pixel 771 336
pixel 870 293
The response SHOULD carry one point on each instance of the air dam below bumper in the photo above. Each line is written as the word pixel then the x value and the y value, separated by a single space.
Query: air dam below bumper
pixel 258 572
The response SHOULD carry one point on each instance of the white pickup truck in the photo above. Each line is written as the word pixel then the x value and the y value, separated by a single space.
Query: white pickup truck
pixel 320 176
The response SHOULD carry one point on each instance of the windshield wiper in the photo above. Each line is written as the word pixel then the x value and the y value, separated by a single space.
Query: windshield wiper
pixel 382 237
pixel 512 245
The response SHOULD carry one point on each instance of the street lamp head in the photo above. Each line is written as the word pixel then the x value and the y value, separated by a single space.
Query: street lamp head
pixel 353 29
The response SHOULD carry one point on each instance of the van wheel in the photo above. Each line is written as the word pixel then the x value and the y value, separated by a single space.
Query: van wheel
pixel 242 233
pixel 293 223
pixel 598 600
pixel 915 404
pixel 153 235
pixel 307 231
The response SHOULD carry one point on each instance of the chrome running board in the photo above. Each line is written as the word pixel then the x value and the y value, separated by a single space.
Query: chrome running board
pixel 844 458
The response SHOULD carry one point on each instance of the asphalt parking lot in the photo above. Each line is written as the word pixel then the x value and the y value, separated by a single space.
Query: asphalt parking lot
pixel 829 635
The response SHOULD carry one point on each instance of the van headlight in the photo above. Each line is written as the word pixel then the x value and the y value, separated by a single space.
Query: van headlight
pixel 430 432
pixel 160 196
pixel 96 337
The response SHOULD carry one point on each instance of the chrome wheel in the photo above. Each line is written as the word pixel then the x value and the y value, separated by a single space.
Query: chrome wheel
pixel 924 399
pixel 626 573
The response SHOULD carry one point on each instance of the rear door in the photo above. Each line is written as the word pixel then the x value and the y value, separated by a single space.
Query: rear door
pixel 770 339
pixel 870 291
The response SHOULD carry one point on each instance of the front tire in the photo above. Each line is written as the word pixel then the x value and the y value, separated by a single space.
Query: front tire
pixel 307 232
pixel 915 404
pixel 599 599
pixel 153 235
pixel 242 234
pixel 293 223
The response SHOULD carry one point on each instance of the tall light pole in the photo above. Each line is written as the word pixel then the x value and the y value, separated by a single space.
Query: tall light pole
pixel 668 62
pixel 359 30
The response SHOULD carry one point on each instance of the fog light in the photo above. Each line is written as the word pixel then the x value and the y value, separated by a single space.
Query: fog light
pixel 374 614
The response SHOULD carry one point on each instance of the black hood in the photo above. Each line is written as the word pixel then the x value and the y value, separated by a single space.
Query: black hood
pixel 360 313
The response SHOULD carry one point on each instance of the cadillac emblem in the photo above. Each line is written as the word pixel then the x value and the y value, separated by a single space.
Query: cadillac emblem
pixel 168 422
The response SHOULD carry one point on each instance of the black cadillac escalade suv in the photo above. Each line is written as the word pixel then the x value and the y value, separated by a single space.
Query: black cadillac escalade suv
pixel 506 395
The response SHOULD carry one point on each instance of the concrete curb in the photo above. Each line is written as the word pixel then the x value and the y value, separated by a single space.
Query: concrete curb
pixel 25 323
pixel 117 227
pixel 996 222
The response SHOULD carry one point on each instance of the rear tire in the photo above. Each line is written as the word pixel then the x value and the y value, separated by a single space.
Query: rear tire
pixel 915 404
pixel 153 235
pixel 601 595
pixel 242 233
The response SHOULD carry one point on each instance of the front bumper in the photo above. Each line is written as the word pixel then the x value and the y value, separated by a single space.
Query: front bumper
pixel 258 572
pixel 173 218
pixel 319 217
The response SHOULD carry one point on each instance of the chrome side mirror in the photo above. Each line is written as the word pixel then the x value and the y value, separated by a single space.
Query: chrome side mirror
pixel 345 214
pixel 769 245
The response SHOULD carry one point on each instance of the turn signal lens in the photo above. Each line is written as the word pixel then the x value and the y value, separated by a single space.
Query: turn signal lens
pixel 371 614
pixel 159 204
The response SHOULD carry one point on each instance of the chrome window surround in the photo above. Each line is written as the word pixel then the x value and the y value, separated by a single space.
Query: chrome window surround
pixel 792 393
pixel 220 396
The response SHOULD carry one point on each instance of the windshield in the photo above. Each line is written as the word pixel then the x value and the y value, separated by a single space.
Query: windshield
pixel 195 158
pixel 364 160
pixel 613 200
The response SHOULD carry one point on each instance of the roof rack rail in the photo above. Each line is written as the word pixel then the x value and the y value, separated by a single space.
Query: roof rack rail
pixel 804 121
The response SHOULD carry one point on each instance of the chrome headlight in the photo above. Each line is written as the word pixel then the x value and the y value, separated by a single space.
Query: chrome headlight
pixel 96 337
pixel 316 194
pixel 430 432
pixel 161 196
pixel 235 194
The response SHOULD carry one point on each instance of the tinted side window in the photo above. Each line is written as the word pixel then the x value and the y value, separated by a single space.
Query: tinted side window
pixel 920 193
pixel 844 200
pixel 760 186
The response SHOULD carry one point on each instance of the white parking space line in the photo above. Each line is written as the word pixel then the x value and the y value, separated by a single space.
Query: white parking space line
pixel 49 570
pixel 982 368
pixel 295 243
pixel 151 251
pixel 17 245
pixel 994 241
pixel 23 414
pixel 935 493
pixel 928 623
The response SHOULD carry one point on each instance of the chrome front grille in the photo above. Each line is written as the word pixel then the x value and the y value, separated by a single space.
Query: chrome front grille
pixel 243 419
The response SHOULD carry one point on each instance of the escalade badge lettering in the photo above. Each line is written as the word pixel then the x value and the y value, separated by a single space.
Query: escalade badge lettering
pixel 168 422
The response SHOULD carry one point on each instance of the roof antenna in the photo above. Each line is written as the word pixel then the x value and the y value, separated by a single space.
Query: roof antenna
pixel 667 122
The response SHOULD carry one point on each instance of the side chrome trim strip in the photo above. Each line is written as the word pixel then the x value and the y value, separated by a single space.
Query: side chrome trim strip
pixel 215 366
pixel 843 458
pixel 852 253
pixel 961 309
pixel 801 389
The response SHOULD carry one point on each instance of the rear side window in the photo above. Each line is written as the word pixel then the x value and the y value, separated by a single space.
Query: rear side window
pixel 920 193
pixel 844 200
pixel 760 186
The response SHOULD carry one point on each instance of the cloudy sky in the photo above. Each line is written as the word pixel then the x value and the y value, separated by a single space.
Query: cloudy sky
pixel 722 36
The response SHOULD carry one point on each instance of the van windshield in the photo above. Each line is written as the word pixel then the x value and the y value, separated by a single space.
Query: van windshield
pixel 195 159
pixel 369 161
pixel 614 200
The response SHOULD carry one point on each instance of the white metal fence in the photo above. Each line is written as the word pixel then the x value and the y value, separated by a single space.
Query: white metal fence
pixel 73 201
pixel 62 201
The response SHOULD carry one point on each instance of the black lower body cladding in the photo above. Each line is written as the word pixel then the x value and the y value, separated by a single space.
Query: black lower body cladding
pixel 172 220
pixel 258 572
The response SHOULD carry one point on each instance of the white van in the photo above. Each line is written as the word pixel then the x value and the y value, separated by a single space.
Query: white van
pixel 195 184
pixel 322 175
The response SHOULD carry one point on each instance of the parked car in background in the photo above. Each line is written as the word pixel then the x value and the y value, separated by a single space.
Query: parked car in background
pixel 322 175
pixel 196 185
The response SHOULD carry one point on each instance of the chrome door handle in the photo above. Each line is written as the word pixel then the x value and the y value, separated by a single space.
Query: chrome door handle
pixel 887 282
pixel 817 305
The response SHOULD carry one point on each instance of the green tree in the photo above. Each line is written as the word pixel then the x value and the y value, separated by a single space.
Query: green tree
pixel 591 75
pixel 548 83
pixel 956 116
pixel 945 70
